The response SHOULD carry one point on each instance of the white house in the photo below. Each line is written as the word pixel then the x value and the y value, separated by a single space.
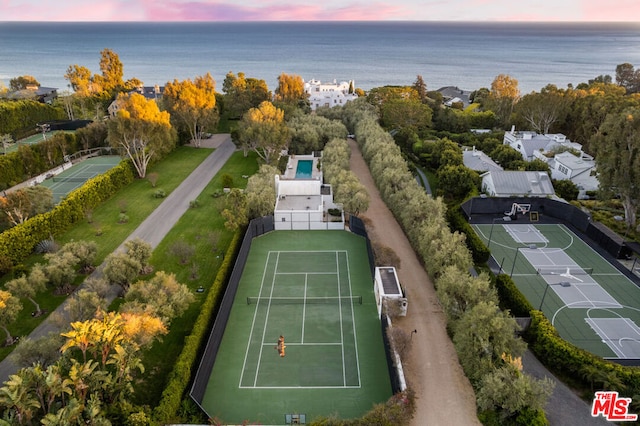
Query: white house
pixel 329 94
pixel 517 184
pixel 579 170
pixel 303 201
pixel 479 161
pixel 532 145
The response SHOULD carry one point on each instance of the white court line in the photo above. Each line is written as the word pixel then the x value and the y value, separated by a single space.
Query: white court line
pixel 266 321
pixel 344 367
pixel 253 322
pixel 353 320
pixel 304 305
pixel 600 332
pixel 302 343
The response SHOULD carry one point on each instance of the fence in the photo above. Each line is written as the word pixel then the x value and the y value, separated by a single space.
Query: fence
pixel 256 228
pixel 357 227
pixel 569 214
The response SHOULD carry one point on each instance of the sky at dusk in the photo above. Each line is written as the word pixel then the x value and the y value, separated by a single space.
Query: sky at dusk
pixel 319 10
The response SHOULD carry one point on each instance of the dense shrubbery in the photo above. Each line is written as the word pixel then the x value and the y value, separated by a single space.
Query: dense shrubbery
pixel 18 242
pixel 479 251
pixel 31 160
pixel 19 118
pixel 182 371
pixel 486 353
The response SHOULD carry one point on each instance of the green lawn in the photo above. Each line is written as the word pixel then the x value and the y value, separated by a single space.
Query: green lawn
pixel 139 202
pixel 195 228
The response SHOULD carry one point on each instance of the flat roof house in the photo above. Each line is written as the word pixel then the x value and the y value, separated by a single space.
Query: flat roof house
pixel 303 201
pixel 329 94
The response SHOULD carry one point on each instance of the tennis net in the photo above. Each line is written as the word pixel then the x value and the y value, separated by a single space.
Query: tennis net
pixel 565 271
pixel 73 178
pixel 357 300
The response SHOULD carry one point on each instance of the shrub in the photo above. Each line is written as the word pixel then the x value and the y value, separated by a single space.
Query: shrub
pixel 46 246
pixel 227 180
pixel 159 193
pixel 181 375
pixel 194 204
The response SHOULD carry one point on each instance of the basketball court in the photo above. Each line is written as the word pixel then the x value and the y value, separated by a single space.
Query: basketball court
pixel 590 302
pixel 303 337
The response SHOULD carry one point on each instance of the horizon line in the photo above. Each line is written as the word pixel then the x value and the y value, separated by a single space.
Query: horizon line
pixel 485 21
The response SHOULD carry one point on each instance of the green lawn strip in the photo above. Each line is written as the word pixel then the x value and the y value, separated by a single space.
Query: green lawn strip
pixel 137 201
pixel 140 203
pixel 193 228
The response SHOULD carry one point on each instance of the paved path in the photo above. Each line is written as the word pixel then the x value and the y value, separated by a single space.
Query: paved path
pixel 154 228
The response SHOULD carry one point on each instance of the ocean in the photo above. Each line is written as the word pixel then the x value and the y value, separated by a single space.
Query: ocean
pixel 373 54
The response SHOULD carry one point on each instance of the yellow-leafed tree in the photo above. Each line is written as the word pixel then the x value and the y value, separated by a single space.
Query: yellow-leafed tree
pixel 264 130
pixel 141 130
pixel 192 105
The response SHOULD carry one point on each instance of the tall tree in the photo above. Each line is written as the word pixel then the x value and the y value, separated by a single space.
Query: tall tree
pixel 542 110
pixel 80 79
pixel 192 104
pixel 628 77
pixel 616 147
pixel 112 70
pixel 242 94
pixel 290 89
pixel 263 130
pixel 141 130
pixel 421 88
pixel 503 96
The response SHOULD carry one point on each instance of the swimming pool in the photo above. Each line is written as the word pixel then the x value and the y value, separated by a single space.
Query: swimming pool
pixel 304 169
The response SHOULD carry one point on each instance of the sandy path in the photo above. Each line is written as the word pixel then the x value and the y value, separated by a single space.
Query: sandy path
pixel 444 394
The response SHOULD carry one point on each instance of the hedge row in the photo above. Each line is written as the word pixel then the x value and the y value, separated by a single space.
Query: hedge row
pixel 180 377
pixel 457 222
pixel 511 298
pixel 19 118
pixel 585 369
pixel 31 160
pixel 18 242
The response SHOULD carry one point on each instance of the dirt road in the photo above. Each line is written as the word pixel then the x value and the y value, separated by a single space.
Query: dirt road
pixel 444 394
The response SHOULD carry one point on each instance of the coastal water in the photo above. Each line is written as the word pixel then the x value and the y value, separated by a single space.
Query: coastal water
pixel 467 55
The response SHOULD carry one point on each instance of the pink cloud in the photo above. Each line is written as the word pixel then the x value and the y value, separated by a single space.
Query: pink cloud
pixel 220 11
pixel 613 10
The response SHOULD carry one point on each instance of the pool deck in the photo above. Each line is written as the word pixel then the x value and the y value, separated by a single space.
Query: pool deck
pixel 292 167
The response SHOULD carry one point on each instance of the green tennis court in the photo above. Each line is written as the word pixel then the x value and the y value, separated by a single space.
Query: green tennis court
pixel 303 336
pixel 590 302
pixel 62 184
